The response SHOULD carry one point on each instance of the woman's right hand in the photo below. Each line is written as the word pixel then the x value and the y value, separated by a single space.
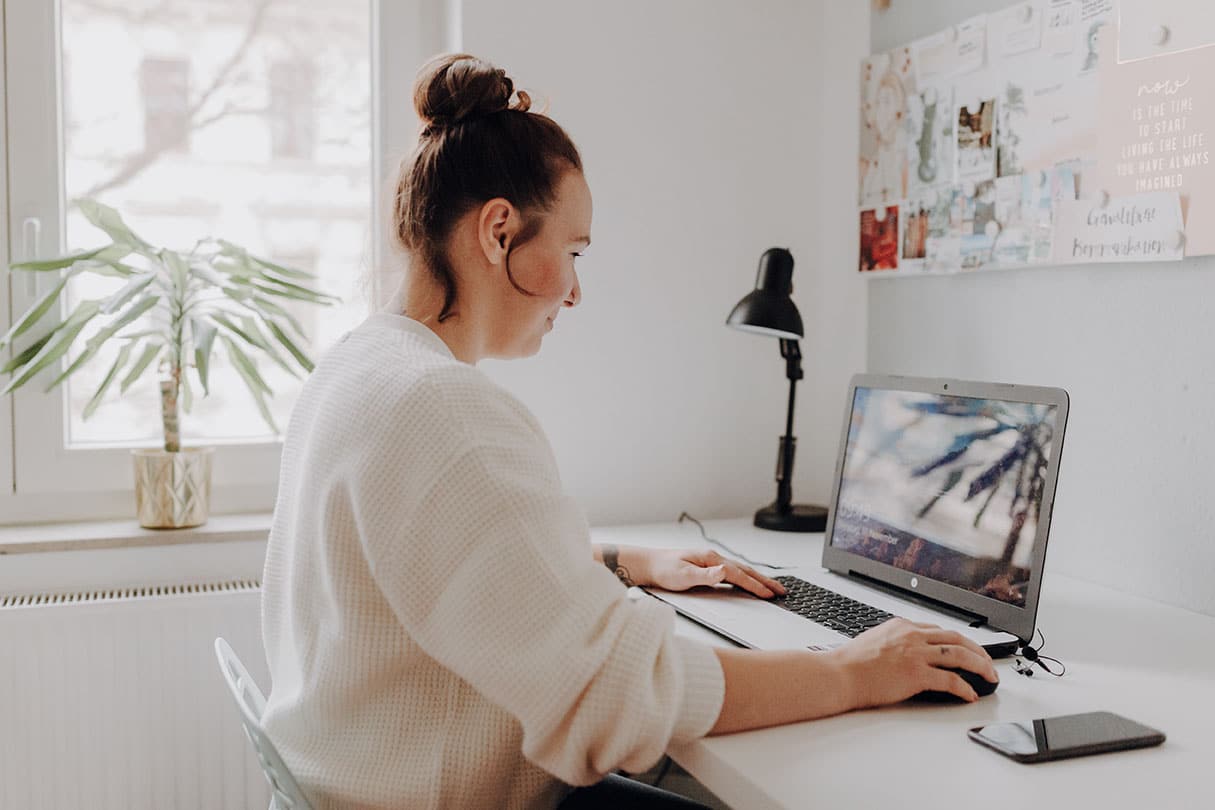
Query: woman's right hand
pixel 900 658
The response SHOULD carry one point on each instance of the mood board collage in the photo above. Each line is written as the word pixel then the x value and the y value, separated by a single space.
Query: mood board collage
pixel 1021 138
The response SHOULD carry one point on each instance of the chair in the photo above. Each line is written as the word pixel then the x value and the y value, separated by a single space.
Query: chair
pixel 249 699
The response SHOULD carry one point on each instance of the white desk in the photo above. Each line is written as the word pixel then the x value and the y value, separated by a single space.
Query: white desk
pixel 1142 659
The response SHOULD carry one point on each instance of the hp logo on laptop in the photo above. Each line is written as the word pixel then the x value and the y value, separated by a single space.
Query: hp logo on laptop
pixel 915 582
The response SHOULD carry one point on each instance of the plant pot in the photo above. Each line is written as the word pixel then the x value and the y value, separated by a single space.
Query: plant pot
pixel 172 490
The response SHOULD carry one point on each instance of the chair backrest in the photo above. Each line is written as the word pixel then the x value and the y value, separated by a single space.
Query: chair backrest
pixel 249 699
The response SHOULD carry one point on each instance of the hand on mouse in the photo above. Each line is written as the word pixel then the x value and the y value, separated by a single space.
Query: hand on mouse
pixel 900 658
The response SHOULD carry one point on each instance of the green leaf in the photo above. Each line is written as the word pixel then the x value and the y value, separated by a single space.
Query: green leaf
pixel 251 378
pixel 251 327
pixel 36 312
pixel 223 320
pixel 111 269
pixel 282 338
pixel 53 350
pixel 143 333
pixel 231 266
pixel 94 344
pixel 244 365
pixel 179 269
pixel 247 259
pixel 256 269
pixel 27 355
pixel 132 313
pixel 149 354
pixel 108 220
pixel 299 288
pixel 206 273
pixel 274 309
pixel 131 289
pixel 240 295
pixel 204 339
pixel 289 272
pixel 121 361
pixel 227 248
pixel 58 263
pixel 261 283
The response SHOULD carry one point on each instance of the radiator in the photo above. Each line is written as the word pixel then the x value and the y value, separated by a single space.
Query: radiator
pixel 113 699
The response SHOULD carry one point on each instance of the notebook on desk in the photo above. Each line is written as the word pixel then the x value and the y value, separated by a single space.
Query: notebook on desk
pixel 940 510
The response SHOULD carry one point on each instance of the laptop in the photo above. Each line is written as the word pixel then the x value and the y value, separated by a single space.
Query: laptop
pixel 940 510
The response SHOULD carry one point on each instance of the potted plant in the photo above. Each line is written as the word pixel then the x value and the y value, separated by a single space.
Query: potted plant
pixel 176 308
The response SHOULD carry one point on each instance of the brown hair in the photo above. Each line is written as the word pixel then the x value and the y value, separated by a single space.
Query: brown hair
pixel 475 145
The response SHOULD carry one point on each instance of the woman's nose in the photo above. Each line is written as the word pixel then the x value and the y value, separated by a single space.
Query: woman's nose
pixel 575 295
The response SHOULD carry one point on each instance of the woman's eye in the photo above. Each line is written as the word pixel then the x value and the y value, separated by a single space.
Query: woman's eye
pixel 576 255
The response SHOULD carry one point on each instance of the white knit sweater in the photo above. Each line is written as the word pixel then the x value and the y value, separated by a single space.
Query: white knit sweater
pixel 437 630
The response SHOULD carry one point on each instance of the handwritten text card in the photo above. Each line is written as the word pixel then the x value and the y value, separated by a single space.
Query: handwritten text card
pixel 1135 228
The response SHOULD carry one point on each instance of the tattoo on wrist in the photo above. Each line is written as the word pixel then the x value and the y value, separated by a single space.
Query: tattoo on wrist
pixel 611 558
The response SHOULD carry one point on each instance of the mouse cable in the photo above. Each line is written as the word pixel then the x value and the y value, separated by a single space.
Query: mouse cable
pixel 1033 655
pixel 685 516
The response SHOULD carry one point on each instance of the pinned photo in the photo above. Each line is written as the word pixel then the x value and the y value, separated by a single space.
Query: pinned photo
pixel 916 214
pixel 977 141
pixel 1095 19
pixel 1091 51
pixel 886 81
pixel 1036 209
pixel 880 239
pixel 1014 123
pixel 944 243
pixel 979 225
pixel 931 144
pixel 1012 243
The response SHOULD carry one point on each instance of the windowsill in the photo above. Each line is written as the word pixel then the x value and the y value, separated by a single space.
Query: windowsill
pixel 101 534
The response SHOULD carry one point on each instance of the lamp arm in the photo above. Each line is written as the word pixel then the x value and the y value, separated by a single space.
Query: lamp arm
pixel 791 351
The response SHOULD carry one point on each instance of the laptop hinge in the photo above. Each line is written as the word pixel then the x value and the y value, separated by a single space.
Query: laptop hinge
pixel 972 619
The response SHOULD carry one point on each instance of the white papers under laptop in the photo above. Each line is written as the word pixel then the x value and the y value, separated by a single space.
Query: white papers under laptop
pixel 940 511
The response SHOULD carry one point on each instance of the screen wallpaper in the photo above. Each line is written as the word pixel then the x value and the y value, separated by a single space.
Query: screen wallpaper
pixel 946 487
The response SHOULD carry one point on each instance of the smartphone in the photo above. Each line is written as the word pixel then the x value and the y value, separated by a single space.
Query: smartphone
pixel 1073 735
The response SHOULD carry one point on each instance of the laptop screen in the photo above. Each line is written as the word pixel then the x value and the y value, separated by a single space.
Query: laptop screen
pixel 947 487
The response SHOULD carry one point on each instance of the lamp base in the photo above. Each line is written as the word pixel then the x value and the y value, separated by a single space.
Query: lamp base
pixel 800 518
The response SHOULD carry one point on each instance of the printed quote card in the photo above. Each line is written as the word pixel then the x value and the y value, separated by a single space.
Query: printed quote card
pixel 1157 126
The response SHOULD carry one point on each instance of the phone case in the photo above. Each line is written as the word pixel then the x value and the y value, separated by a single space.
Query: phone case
pixel 1149 738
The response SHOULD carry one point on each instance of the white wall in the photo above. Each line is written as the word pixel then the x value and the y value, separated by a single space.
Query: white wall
pixel 1135 347
pixel 703 135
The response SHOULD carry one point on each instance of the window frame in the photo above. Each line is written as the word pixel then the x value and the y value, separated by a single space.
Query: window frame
pixel 41 479
pixel 8 459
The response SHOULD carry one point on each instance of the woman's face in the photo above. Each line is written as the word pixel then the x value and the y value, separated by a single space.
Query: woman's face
pixel 544 266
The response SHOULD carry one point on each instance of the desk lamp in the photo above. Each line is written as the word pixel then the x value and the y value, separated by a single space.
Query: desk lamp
pixel 768 310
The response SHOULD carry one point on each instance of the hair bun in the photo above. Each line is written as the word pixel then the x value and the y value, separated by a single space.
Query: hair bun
pixel 454 88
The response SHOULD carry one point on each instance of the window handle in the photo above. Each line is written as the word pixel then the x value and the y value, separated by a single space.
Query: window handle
pixel 31 242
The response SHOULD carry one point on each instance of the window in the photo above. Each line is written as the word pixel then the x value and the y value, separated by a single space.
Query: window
pixel 220 188
pixel 165 86
pixel 161 113
pixel 292 110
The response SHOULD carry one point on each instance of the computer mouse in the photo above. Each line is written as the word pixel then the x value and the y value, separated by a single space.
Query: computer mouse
pixel 981 685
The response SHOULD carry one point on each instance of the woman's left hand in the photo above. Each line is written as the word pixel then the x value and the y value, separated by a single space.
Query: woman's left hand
pixel 676 570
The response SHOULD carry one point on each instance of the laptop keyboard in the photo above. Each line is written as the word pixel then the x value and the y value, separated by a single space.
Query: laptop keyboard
pixel 828 608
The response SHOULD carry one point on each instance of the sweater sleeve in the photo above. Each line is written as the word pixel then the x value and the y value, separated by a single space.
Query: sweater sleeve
pixel 490 571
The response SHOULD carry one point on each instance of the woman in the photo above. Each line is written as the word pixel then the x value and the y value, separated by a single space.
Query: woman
pixel 439 629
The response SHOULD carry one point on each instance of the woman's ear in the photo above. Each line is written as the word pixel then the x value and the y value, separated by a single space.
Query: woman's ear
pixel 496 227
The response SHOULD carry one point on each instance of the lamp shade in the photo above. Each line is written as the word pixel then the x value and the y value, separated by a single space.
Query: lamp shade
pixel 768 309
